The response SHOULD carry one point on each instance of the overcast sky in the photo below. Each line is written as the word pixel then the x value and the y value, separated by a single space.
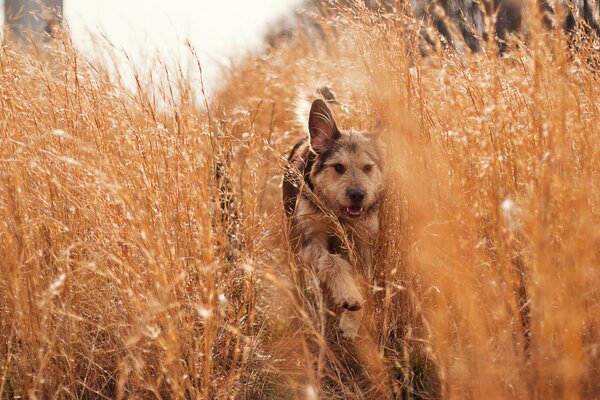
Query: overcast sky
pixel 219 29
pixel 213 25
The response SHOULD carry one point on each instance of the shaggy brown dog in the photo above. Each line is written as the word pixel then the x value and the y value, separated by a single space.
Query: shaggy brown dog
pixel 331 192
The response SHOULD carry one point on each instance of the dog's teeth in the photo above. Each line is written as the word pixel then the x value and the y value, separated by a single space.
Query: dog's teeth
pixel 354 212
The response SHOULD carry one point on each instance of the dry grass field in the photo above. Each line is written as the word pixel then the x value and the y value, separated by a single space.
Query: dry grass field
pixel 143 252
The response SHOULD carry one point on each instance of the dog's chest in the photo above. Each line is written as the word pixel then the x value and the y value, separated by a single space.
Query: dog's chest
pixel 361 236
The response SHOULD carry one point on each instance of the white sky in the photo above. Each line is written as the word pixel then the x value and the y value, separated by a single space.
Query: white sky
pixel 218 29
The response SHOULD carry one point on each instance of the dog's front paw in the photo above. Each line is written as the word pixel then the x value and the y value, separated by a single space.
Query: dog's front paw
pixel 348 296
pixel 350 323
pixel 344 290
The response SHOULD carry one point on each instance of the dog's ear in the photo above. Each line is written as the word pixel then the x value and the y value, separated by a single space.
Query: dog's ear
pixel 375 133
pixel 321 127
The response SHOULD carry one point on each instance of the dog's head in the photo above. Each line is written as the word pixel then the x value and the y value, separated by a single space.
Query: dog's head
pixel 346 174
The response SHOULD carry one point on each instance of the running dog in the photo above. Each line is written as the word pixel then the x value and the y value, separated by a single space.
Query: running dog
pixel 332 191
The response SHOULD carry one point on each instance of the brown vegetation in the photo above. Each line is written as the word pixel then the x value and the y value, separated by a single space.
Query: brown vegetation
pixel 467 25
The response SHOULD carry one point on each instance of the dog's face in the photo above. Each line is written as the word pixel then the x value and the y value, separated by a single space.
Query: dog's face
pixel 346 174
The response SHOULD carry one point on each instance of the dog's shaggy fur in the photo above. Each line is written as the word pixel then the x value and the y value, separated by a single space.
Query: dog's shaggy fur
pixel 332 191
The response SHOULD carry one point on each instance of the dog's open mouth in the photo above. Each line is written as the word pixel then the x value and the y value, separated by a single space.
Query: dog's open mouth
pixel 354 212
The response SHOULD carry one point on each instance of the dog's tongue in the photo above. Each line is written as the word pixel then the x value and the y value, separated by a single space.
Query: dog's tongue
pixel 354 211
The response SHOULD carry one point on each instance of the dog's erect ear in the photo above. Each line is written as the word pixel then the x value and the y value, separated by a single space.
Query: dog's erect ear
pixel 321 127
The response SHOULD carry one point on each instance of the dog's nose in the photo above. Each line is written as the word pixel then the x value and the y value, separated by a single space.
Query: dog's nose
pixel 356 195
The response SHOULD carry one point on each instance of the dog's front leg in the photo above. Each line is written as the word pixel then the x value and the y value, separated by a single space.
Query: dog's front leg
pixel 336 274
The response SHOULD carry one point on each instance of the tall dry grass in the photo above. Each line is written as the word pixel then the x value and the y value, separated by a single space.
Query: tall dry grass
pixel 143 248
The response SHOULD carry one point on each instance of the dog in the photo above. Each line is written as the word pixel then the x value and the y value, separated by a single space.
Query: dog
pixel 332 193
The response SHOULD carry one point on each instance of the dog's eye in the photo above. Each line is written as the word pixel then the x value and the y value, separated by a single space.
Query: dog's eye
pixel 367 168
pixel 339 168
